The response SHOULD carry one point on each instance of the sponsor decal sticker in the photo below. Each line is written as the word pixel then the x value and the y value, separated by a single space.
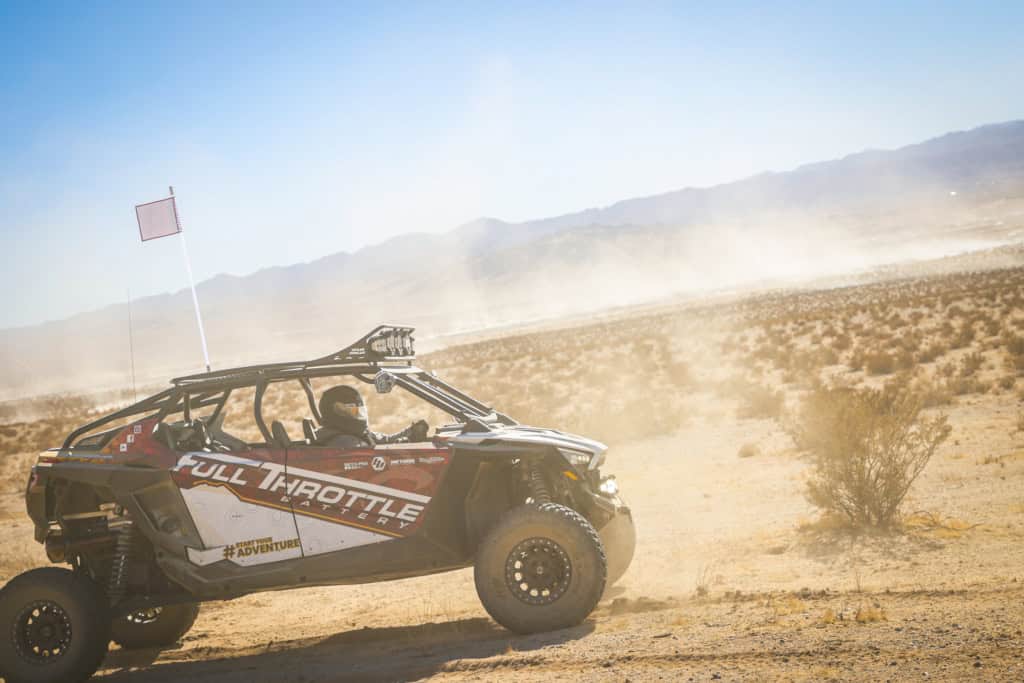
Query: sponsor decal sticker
pixel 258 546
pixel 305 492
pixel 356 465
pixel 379 463
pixel 432 459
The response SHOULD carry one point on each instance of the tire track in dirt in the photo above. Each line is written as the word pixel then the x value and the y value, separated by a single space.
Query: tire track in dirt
pixel 946 634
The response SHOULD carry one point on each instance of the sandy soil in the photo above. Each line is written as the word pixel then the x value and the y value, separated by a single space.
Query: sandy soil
pixel 732 580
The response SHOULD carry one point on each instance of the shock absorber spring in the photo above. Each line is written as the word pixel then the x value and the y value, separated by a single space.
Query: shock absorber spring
pixel 538 485
pixel 117 584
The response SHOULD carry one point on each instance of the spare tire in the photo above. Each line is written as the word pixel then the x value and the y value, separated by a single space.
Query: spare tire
pixel 154 627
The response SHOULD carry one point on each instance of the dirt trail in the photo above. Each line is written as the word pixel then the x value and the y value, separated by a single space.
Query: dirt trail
pixel 965 635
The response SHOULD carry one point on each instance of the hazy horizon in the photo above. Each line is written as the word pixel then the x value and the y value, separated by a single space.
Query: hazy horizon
pixel 289 135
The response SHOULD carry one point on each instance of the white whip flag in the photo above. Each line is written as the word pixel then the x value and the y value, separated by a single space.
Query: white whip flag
pixel 160 219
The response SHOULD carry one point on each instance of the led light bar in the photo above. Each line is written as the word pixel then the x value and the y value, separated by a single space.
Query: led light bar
pixel 394 342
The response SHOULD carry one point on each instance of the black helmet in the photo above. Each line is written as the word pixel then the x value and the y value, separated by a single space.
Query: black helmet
pixel 342 409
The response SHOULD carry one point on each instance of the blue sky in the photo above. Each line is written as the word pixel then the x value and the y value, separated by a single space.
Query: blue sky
pixel 291 131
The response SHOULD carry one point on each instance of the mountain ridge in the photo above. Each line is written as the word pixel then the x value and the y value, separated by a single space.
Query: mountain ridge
pixel 964 185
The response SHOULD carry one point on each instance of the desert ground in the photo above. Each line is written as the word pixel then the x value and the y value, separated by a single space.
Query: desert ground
pixel 737 574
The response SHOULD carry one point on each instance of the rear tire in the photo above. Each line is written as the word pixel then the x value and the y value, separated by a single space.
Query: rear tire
pixel 54 626
pixel 540 568
pixel 157 627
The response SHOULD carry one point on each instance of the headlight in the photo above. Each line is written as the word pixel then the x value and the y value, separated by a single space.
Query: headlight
pixel 577 458
pixel 609 486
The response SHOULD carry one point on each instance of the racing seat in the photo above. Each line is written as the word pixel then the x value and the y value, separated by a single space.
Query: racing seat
pixel 280 435
pixel 162 433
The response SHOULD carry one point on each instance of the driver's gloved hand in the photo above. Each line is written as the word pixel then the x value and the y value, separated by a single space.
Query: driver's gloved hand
pixel 418 431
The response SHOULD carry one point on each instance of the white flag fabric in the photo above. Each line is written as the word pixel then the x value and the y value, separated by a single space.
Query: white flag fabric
pixel 157 219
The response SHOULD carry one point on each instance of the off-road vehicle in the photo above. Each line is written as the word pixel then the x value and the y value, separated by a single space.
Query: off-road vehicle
pixel 157 508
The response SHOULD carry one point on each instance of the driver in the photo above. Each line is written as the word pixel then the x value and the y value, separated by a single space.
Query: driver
pixel 346 425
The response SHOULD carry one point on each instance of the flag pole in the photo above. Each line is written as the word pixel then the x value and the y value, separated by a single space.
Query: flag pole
pixel 131 346
pixel 191 284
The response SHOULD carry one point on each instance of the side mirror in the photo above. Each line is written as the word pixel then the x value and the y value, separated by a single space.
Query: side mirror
pixel 383 382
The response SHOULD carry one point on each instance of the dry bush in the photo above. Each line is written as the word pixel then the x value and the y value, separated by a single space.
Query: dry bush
pixel 758 401
pixel 879 363
pixel 1007 382
pixel 970 364
pixel 748 450
pixel 931 352
pixel 961 386
pixel 963 337
pixel 933 393
pixel 868 447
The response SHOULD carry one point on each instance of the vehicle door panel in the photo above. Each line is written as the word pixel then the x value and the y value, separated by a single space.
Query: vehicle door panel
pixel 345 498
pixel 234 501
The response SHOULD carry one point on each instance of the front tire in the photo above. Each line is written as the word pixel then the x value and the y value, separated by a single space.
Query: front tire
pixel 156 627
pixel 541 568
pixel 619 539
pixel 54 626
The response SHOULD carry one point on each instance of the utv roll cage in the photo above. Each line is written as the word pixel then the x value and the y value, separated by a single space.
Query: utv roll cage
pixel 384 357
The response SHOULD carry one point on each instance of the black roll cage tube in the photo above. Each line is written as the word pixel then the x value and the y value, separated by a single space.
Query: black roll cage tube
pixel 187 395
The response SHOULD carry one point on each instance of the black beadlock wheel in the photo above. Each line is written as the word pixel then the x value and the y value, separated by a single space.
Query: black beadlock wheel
pixel 154 627
pixel 54 626
pixel 540 568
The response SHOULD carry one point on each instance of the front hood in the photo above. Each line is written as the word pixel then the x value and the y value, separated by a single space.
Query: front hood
pixel 528 436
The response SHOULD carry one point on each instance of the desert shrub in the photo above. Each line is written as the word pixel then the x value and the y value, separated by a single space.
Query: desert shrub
pixel 1015 363
pixel 931 352
pixel 758 401
pixel 748 450
pixel 841 342
pixel 963 337
pixel 933 393
pixel 827 356
pixel 961 385
pixel 1014 344
pixel 879 363
pixel 868 448
pixel 904 360
pixel 1007 382
pixel 970 364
